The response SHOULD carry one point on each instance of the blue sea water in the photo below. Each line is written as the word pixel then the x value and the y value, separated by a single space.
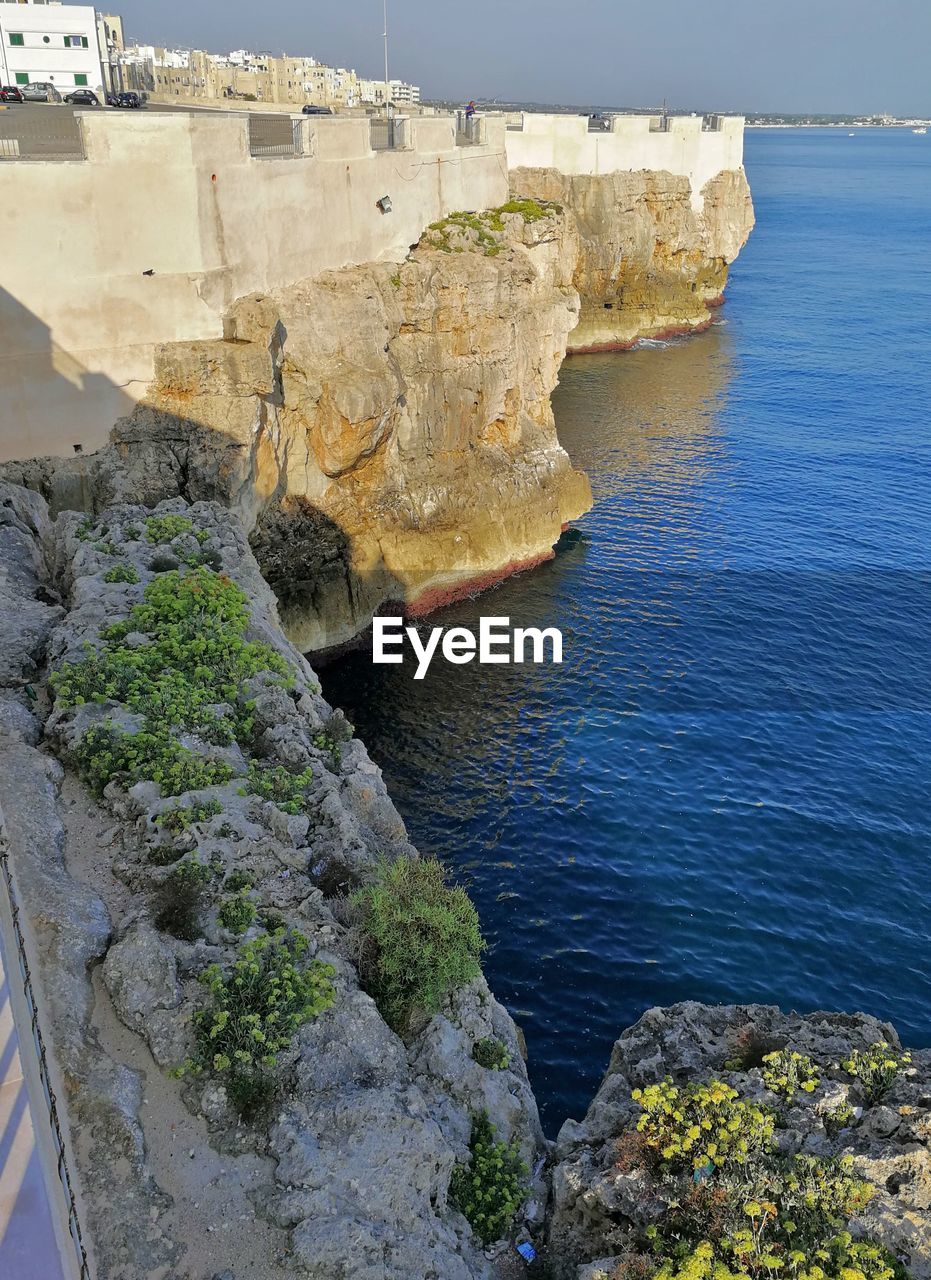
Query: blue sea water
pixel 723 793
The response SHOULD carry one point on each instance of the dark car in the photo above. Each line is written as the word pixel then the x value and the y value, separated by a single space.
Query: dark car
pixel 10 93
pixel 130 99
pixel 83 98
pixel 310 110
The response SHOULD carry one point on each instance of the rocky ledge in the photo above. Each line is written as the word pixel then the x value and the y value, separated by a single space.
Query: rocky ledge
pixel 835 1122
pixel 168 855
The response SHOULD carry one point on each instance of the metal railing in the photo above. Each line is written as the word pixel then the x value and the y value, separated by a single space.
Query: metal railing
pixel 48 1093
pixel 468 130
pixel 34 131
pixel 272 135
pixel 384 133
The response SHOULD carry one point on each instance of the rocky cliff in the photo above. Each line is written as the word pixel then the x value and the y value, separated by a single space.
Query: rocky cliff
pixel 132 893
pixel 384 432
pixel 652 260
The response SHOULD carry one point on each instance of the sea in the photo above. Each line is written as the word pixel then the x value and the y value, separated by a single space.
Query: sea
pixel 723 793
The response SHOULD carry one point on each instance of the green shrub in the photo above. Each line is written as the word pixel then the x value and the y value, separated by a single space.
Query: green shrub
pixel 103 753
pixel 163 855
pixel 490 1189
pixel 492 1054
pixel 422 938
pixel 786 1072
pixel 160 529
pixel 196 657
pixel 237 913
pixel 254 1012
pixel 332 746
pixel 287 790
pixel 876 1068
pixel 84 529
pixel 237 880
pixel 841 1117
pixel 701 1125
pixel 181 900
pixel 530 210
pixel 180 818
pixel 121 573
pixel 839 1258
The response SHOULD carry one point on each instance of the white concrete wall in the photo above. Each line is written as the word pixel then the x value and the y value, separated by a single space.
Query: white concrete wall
pixel 634 142
pixel 43 54
pixel 167 221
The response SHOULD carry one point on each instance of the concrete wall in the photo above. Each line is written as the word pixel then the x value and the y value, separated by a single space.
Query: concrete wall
pixel 633 142
pixel 168 220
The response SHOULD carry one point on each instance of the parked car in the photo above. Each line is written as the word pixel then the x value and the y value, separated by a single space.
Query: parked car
pixel 40 91
pixel 310 110
pixel 130 99
pixel 10 93
pixel 83 98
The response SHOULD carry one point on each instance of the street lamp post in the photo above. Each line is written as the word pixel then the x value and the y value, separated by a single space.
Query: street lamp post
pixel 387 85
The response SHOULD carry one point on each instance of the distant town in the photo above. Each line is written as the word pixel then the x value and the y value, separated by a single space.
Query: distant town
pixel 73 47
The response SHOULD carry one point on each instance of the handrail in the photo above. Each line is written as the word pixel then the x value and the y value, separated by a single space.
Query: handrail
pixel 51 1102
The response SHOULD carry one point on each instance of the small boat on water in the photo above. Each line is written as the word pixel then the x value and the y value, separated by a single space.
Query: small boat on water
pixel 922 130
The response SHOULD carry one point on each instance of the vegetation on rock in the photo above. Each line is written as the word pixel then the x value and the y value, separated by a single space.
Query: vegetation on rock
pixel 787 1072
pixel 482 228
pixel 237 913
pixel 121 573
pixel 491 1053
pixel 286 790
pixel 490 1189
pixel 255 1010
pixel 701 1125
pixel 735 1207
pixel 875 1068
pixel 422 938
pixel 187 677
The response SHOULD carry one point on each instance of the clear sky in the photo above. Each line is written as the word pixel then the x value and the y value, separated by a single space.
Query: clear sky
pixel 755 55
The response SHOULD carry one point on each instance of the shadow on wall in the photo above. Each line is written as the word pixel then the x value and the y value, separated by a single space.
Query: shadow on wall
pixel 156 454
pixel 42 387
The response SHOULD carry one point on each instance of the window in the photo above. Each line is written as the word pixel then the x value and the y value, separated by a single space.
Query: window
pixel 22 77
pixel 16 37
pixel 79 79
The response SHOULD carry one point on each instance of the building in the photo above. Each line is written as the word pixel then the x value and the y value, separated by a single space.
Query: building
pixel 110 43
pixel 287 81
pixel 57 43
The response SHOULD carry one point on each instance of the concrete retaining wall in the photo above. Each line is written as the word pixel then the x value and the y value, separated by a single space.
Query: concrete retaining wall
pixel 682 147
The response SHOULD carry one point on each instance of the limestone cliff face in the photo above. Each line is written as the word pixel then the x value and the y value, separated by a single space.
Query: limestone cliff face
pixel 385 432
pixel 650 263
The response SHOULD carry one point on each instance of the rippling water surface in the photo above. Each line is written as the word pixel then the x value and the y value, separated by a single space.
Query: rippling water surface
pixel 723 794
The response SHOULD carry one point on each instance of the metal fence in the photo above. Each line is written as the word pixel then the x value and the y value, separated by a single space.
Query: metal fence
pixel 38 1044
pixel 36 131
pixel 468 129
pixel 384 133
pixel 272 135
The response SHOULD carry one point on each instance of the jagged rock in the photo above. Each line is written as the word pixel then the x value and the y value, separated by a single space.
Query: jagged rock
pixel 652 256
pixel 365 1173
pixel 443 1065
pixel 141 975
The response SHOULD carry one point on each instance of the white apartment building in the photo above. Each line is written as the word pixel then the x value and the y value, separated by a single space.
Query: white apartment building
pixel 52 42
